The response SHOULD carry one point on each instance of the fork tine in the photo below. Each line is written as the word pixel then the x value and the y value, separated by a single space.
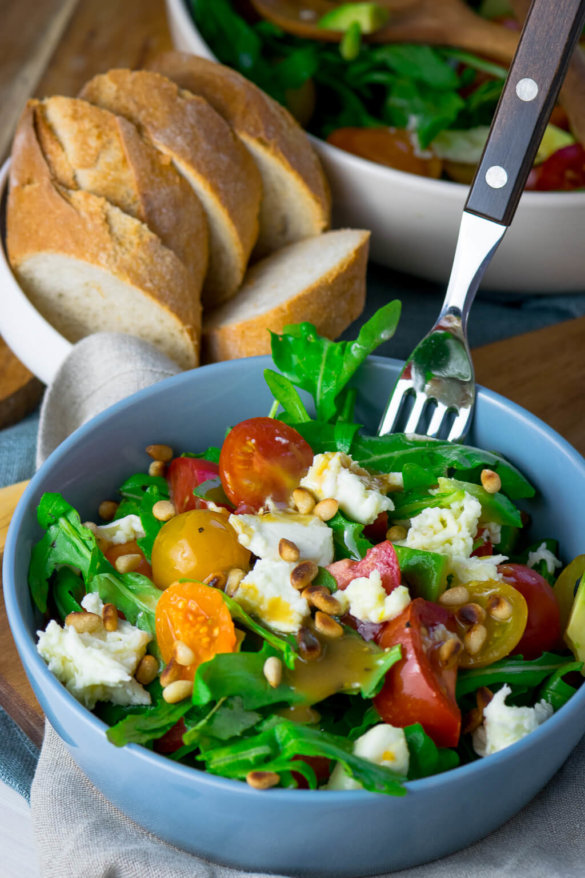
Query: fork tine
pixel 460 425
pixel 415 415
pixel 437 420
pixel 389 422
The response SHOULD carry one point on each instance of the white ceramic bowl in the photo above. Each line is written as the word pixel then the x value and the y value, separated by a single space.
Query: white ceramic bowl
pixel 414 220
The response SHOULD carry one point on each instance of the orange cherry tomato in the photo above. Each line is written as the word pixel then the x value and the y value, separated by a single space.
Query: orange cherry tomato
pixel 195 545
pixel 387 146
pixel 262 458
pixel 131 548
pixel 197 615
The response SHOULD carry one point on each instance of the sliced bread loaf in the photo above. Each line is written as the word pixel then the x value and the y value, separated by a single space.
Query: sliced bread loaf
pixel 296 202
pixel 88 266
pixel 92 149
pixel 321 280
pixel 206 151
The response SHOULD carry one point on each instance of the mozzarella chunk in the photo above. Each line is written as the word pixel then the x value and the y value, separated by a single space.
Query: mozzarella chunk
pixel 504 725
pixel 266 592
pixel 366 599
pixel 360 494
pixel 124 530
pixel 96 666
pixel 382 744
pixel 544 554
pixel 262 533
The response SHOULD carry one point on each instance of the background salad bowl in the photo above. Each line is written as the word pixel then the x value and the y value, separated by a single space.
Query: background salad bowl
pixel 414 220
pixel 289 831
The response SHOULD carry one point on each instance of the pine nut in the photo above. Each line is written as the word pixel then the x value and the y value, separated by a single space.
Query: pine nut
pixel 483 696
pixel 156 468
pixel 449 651
pixel 326 509
pixel 177 691
pixel 454 596
pixel 110 617
pixel 183 654
pixel 288 550
pixel 107 509
pixel 303 574
pixel 470 614
pixel 216 580
pixel 84 622
pixel 163 453
pixel 491 481
pixel 475 638
pixel 127 563
pixel 147 669
pixel 273 671
pixel 90 525
pixel 262 780
pixel 499 608
pixel 396 533
pixel 234 578
pixel 327 626
pixel 303 500
pixel 321 598
pixel 170 673
pixel 163 510
pixel 309 645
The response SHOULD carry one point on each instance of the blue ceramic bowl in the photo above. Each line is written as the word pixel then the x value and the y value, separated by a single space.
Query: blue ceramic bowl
pixel 292 832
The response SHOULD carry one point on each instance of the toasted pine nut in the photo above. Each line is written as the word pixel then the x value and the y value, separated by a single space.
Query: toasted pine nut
pixel 470 614
pixel 326 509
pixel 163 453
pixel 474 718
pixel 327 626
pixel 449 651
pixel 309 645
pixel 177 691
pixel 303 500
pixel 475 638
pixel 147 669
pixel 303 574
pixel 499 608
pixel 127 563
pixel 110 617
pixel 454 596
pixel 90 525
pixel 107 509
pixel 234 578
pixel 321 598
pixel 288 550
pixel 272 670
pixel 84 622
pixel 396 533
pixel 163 510
pixel 217 580
pixel 156 468
pixel 483 696
pixel 183 654
pixel 170 673
pixel 262 780
pixel 491 481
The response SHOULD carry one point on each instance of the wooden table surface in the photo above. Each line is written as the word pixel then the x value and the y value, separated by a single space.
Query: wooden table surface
pixel 53 47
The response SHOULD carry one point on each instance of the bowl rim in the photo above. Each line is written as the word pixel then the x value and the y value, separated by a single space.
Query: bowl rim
pixel 27 649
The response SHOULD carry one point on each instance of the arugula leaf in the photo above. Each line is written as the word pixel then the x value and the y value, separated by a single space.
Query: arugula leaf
pixel 557 691
pixel 135 486
pixel 382 664
pixel 148 725
pixel 513 670
pixel 68 590
pixel 132 593
pixel 348 537
pixel 495 507
pixel 285 392
pixel 281 642
pixel 211 454
pixel 426 758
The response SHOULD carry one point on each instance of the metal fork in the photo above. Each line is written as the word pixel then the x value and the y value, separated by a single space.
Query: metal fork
pixel 435 392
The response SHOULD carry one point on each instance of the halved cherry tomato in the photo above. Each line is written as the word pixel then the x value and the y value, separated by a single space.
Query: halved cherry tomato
pixel 197 615
pixel 263 458
pixel 387 146
pixel 418 688
pixel 185 474
pixel 195 545
pixel 131 548
pixel 376 531
pixel 381 557
pixel 490 621
pixel 171 740
pixel 543 626
pixel 564 171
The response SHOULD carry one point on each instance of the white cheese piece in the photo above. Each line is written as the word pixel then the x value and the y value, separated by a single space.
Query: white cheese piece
pixel 261 534
pixel 382 744
pixel 266 592
pixel 96 666
pixel 124 530
pixel 491 531
pixel 544 554
pixel 368 600
pixel 504 725
pixel 360 494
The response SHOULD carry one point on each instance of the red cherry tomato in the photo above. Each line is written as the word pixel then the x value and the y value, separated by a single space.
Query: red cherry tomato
pixel 563 171
pixel 543 626
pixel 262 458
pixel 185 474
pixel 418 688
pixel 171 740
pixel 387 146
pixel 381 557
pixel 376 531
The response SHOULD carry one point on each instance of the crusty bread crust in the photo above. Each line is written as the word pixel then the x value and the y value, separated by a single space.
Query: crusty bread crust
pixel 266 128
pixel 205 149
pixel 333 299
pixel 46 218
pixel 89 148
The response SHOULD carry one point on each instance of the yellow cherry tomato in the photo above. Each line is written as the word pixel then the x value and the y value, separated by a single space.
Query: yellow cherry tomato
pixel 195 545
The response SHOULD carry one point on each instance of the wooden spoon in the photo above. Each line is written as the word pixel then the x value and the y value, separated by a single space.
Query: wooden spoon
pixel 436 22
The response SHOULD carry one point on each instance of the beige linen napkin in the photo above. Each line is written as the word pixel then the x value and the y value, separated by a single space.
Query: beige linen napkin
pixel 79 834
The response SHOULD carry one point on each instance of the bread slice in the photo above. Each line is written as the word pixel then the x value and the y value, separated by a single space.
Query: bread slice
pixel 321 280
pixel 296 202
pixel 206 151
pixel 88 266
pixel 92 149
